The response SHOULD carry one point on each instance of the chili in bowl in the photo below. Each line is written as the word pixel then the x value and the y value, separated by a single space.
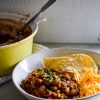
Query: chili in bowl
pixel 50 84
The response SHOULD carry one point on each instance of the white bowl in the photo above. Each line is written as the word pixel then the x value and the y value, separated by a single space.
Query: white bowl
pixel 36 60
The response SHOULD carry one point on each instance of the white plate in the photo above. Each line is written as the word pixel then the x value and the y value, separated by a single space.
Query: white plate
pixel 36 60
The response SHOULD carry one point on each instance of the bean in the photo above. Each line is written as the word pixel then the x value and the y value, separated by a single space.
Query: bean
pixel 50 93
pixel 36 93
pixel 54 88
pixel 46 82
pixel 72 85
pixel 63 84
pixel 39 81
pixel 62 96
pixel 54 82
pixel 42 89
pixel 73 92
pixel 54 94
pixel 66 90
pixel 47 94
pixel 59 85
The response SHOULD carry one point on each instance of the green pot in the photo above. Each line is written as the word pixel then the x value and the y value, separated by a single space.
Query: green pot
pixel 11 54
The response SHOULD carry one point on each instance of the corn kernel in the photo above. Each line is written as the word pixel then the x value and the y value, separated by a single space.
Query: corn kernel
pixel 59 95
pixel 58 91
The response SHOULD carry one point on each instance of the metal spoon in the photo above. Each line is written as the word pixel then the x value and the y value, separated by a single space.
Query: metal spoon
pixel 48 4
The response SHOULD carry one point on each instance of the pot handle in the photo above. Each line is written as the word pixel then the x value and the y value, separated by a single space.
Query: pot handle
pixel 39 20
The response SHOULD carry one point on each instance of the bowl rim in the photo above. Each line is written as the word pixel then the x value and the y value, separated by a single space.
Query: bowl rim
pixel 32 96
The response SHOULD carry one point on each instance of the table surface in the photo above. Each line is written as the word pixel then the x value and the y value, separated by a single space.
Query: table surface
pixel 8 90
